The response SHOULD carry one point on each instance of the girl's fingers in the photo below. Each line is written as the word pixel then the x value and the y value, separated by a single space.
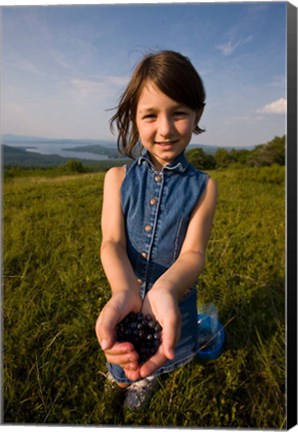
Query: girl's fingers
pixel 105 328
pixel 132 374
pixel 170 337
pixel 122 354
pixel 154 363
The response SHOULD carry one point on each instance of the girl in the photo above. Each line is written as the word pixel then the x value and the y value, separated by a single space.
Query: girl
pixel 156 221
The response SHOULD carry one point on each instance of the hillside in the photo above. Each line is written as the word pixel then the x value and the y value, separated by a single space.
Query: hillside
pixel 54 284
pixel 111 152
pixel 14 150
pixel 14 153
pixel 15 156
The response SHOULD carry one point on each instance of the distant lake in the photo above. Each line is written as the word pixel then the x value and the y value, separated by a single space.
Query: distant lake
pixel 58 149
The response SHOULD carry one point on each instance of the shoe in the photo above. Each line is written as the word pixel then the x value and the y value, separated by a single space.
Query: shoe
pixel 138 394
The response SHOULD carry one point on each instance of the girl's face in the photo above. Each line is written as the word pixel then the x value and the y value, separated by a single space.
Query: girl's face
pixel 164 125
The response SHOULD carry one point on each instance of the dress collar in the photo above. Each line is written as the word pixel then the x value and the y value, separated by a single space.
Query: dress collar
pixel 178 165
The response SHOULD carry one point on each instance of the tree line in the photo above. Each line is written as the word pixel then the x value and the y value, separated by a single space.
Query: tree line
pixel 271 153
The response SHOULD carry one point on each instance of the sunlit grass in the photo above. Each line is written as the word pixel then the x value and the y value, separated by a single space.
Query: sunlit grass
pixel 54 288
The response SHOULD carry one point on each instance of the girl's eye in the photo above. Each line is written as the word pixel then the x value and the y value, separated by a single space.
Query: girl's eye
pixel 180 113
pixel 149 116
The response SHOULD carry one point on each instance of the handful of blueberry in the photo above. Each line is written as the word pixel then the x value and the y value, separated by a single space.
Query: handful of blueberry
pixel 142 331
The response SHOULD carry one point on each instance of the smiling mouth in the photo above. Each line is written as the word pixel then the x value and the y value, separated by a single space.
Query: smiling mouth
pixel 166 143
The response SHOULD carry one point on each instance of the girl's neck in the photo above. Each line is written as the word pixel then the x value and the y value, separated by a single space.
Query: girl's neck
pixel 159 165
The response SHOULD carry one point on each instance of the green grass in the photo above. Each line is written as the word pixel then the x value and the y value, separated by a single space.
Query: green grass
pixel 54 288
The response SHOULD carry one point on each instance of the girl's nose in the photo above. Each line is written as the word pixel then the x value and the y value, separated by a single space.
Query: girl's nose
pixel 165 127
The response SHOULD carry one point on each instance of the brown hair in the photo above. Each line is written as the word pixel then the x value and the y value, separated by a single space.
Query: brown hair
pixel 174 75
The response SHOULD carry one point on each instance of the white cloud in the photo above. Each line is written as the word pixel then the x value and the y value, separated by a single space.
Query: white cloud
pixel 278 81
pixel 27 66
pixel 237 119
pixel 85 87
pixel 103 87
pixel 241 120
pixel 276 107
pixel 230 46
pixel 60 58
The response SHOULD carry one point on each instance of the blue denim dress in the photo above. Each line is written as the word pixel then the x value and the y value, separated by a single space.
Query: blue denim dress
pixel 157 207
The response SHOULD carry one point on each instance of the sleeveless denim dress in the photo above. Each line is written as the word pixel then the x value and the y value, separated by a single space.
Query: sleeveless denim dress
pixel 157 207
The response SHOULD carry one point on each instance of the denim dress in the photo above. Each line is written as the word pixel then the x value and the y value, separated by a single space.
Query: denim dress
pixel 157 207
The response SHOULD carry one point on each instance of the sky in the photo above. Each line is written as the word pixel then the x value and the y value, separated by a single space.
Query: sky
pixel 65 67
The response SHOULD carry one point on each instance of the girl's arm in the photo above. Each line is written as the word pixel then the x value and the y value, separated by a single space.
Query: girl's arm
pixel 162 300
pixel 113 254
pixel 125 291
pixel 184 272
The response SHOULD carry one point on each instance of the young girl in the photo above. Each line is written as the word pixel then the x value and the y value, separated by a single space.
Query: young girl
pixel 156 221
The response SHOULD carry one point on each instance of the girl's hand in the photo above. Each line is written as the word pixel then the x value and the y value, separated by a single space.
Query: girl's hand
pixel 123 354
pixel 162 304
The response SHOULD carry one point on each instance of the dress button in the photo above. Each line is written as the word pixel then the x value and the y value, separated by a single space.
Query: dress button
pixel 148 228
pixel 157 178
pixel 153 201
pixel 144 255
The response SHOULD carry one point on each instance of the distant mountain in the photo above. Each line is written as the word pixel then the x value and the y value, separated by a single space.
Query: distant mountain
pixel 15 156
pixel 95 144
pixel 211 149
pixel 14 152
pixel 111 152
pixel 25 139
pixel 207 148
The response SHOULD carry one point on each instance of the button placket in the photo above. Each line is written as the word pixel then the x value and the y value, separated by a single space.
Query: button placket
pixel 156 204
pixel 152 215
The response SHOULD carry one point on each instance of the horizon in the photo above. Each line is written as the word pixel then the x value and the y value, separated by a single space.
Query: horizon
pixel 25 139
pixel 64 67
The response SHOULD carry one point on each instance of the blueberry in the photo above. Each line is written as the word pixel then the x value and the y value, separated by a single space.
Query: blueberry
pixel 143 332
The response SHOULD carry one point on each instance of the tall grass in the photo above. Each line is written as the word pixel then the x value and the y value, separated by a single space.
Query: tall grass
pixel 54 288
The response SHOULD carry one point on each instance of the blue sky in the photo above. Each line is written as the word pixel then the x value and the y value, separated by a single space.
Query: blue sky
pixel 65 66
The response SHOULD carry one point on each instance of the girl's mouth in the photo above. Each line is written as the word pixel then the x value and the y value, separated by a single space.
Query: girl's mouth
pixel 166 143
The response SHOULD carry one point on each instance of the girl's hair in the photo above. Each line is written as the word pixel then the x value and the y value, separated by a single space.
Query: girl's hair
pixel 174 75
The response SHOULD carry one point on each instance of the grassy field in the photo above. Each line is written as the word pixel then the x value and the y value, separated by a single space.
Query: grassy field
pixel 54 288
